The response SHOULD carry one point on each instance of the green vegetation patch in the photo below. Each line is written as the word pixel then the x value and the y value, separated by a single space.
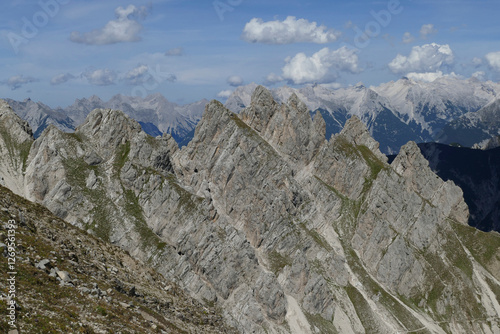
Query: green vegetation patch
pixel 278 261
pixel 320 240
pixel 363 310
pixel 484 247
pixel 134 209
pixel 399 312
pixel 18 152
pixel 324 326
pixel 122 156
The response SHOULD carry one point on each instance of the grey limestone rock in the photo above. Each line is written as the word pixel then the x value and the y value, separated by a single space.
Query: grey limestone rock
pixel 283 230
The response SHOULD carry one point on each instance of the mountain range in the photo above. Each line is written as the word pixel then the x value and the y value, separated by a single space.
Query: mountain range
pixel 396 112
pixel 447 110
pixel 155 113
pixel 262 218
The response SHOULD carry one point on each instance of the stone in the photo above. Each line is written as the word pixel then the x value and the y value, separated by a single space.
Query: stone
pixel 44 264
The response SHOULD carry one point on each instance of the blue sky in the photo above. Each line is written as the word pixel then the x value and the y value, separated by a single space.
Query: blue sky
pixel 55 51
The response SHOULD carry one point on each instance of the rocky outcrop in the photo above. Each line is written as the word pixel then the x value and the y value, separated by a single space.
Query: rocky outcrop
pixel 287 127
pixel 69 281
pixel 16 138
pixel 284 231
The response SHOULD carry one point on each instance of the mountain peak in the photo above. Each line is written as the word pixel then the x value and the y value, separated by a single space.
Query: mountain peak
pixel 357 133
pixel 5 107
pixel 10 119
pixel 295 103
pixel 261 109
pixel 261 96
pixel 412 165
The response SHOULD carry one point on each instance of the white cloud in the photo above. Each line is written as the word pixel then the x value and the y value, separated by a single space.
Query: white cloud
pixel 291 30
pixel 425 58
pixel 426 77
pixel 175 52
pixel 138 75
pixel 323 66
pixel 235 80
pixel 408 38
pixel 426 30
pixel 273 78
pixel 431 76
pixel 493 59
pixel 480 75
pixel 100 77
pixel 477 61
pixel 17 81
pixel 61 78
pixel 124 29
pixel 225 94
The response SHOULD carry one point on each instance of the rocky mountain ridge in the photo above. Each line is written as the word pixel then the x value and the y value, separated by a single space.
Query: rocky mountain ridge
pixel 283 230
pixel 474 127
pixel 155 113
pixel 394 112
pixel 477 172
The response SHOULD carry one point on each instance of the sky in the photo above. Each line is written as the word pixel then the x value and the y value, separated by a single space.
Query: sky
pixel 56 51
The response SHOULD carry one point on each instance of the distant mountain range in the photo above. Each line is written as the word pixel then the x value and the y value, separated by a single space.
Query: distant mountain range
pixel 155 113
pixel 447 110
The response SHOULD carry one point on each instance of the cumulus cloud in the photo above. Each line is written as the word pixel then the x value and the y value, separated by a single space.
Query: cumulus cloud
pixel 477 61
pixel 493 60
pixel 225 94
pixel 125 28
pixel 427 77
pixel 431 76
pixel 408 38
pixel 291 30
pixel 425 58
pixel 480 75
pixel 100 77
pixel 323 66
pixel 426 30
pixel 138 75
pixel 17 81
pixel 235 80
pixel 61 78
pixel 273 78
pixel 175 52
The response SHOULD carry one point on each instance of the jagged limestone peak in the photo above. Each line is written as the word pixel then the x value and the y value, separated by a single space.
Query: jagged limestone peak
pixel 409 159
pixel 4 107
pixel 357 133
pixel 262 96
pixel 13 123
pixel 261 109
pixel 411 164
pixel 215 107
pixel 295 103
pixel 214 116
pixel 103 120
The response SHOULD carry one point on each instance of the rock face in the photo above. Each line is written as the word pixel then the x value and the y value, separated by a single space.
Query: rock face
pixel 477 172
pixel 284 231
pixel 72 282
pixel 16 138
